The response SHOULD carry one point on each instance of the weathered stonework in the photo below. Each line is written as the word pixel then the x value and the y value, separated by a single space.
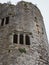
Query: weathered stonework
pixel 24 18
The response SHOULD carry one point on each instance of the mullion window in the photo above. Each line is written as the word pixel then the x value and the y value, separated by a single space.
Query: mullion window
pixel 15 39
pixel 21 38
pixel 27 40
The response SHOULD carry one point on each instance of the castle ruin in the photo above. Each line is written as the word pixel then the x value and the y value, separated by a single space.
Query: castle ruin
pixel 23 39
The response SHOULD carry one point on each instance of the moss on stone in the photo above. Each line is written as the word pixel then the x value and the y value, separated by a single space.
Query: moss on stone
pixel 22 50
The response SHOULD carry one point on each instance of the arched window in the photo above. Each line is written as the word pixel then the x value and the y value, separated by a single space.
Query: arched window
pixel 27 39
pixel 2 23
pixel 21 38
pixel 7 20
pixel 15 38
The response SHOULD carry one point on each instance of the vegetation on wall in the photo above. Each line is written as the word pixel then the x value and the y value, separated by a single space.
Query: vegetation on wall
pixel 22 50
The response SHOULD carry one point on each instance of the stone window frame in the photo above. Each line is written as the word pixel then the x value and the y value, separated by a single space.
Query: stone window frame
pixel 24 34
pixel 4 21
pixel 24 40
pixel 15 38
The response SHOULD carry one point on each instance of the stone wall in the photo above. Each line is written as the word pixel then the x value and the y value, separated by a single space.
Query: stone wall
pixel 24 18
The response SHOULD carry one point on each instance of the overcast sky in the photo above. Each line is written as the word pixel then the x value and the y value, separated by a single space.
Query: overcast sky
pixel 43 5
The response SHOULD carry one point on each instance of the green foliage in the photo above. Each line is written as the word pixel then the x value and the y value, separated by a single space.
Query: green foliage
pixel 22 50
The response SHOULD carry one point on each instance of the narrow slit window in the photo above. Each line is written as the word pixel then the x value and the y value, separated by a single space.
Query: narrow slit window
pixel 7 20
pixel 2 23
pixel 15 38
pixel 21 38
pixel 27 39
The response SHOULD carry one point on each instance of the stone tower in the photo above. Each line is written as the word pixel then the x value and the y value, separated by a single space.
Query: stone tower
pixel 23 39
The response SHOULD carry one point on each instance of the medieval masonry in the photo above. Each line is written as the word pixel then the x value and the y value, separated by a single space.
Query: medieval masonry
pixel 23 39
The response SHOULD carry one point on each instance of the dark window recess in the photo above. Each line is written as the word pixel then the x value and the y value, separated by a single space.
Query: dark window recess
pixel 8 50
pixel 35 18
pixel 21 38
pixel 25 5
pixel 15 39
pixel 37 25
pixel 7 20
pixel 2 23
pixel 27 39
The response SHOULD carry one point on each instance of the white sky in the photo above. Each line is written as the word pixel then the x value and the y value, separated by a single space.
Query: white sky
pixel 43 5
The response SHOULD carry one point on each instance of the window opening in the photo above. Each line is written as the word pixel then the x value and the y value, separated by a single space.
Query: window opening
pixel 7 20
pixel 15 38
pixel 35 18
pixel 2 23
pixel 21 38
pixel 27 39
